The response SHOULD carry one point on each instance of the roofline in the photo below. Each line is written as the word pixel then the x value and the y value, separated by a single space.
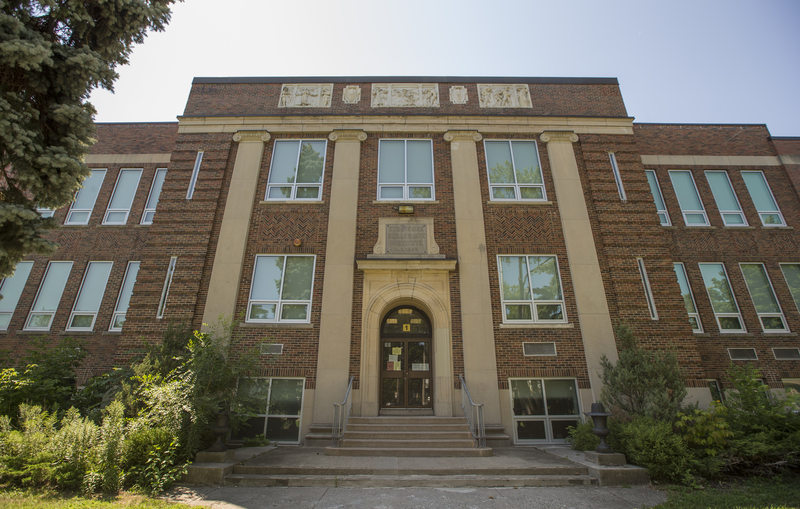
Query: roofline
pixel 403 79
pixel 785 138
pixel 697 124
pixel 135 123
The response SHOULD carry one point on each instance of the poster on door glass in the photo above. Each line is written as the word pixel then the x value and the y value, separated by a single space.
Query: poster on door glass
pixel 420 366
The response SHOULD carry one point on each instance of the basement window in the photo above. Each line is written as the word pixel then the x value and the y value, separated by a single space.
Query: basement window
pixel 539 349
pixel 278 403
pixel 786 354
pixel 742 354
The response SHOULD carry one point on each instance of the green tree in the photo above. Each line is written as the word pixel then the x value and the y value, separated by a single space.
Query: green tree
pixel 53 53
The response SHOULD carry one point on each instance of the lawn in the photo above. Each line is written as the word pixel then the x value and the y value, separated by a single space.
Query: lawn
pixel 756 493
pixel 55 500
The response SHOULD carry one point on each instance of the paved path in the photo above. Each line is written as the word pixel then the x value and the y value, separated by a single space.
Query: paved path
pixel 232 497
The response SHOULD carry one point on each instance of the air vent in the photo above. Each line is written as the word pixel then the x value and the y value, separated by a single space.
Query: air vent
pixel 272 349
pixel 539 349
pixel 787 354
pixel 743 354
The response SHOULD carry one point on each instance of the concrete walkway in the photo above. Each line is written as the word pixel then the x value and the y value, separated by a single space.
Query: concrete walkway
pixel 234 497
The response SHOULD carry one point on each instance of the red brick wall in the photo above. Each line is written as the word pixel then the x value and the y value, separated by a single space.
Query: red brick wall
pixel 140 138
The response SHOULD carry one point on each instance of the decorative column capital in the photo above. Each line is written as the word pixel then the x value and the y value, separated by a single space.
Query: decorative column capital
pixel 463 136
pixel 348 135
pixel 549 136
pixel 241 136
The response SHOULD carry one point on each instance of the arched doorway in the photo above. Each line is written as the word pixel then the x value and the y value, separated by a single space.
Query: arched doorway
pixel 406 369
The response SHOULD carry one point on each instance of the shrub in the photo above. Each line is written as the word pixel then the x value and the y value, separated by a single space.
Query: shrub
pixel 707 433
pixel 581 437
pixel 72 447
pixel 24 456
pixel 642 382
pixel 652 444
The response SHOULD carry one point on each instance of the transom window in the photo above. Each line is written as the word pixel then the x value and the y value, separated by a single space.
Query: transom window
pixel 758 284
pixel 763 199
pixel 543 409
pixel 530 287
pixel 694 214
pixel 281 289
pixel 122 198
pixel 90 296
pixel 658 198
pixel 725 198
pixel 10 289
pixel 514 170
pixel 405 170
pixel 81 209
pixel 297 170
pixel 720 293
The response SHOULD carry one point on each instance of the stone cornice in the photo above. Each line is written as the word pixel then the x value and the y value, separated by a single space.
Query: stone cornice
pixel 549 136
pixel 434 265
pixel 691 160
pixel 349 135
pixel 463 136
pixel 244 136
pixel 127 158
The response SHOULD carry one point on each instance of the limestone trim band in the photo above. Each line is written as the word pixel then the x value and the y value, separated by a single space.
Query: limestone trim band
pixel 244 136
pixel 349 135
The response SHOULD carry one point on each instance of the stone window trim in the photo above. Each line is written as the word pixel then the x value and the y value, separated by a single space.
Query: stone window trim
pixel 11 289
pixel 153 196
pixel 730 209
pixel 766 205
pixel 90 296
pixel 276 190
pixel 124 297
pixel 689 199
pixel 81 209
pixel 289 303
pixel 536 191
pixel 53 282
pixel 768 318
pixel 529 307
pixel 411 190
pixel 725 319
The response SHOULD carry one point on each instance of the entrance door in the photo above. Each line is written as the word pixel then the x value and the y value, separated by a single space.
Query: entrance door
pixel 406 376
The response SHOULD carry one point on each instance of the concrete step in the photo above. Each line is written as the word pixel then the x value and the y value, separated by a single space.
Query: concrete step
pixel 409 435
pixel 407 427
pixel 454 470
pixel 406 420
pixel 408 481
pixel 417 443
pixel 416 452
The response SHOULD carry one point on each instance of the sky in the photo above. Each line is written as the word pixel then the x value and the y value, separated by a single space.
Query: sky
pixel 700 61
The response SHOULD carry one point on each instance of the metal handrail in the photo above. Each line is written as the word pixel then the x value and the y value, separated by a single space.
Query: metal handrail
pixel 474 415
pixel 341 413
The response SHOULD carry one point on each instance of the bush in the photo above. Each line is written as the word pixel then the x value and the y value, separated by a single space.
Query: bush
pixel 581 437
pixel 706 432
pixel 652 444
pixel 642 382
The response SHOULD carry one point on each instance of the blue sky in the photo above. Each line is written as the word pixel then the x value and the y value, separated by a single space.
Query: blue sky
pixel 677 62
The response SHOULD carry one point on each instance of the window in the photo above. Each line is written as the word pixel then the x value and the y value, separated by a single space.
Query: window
pixel 792 385
pixel 10 289
pixel 195 172
pixel 688 297
pixel 280 403
pixel 48 296
pixel 152 198
pixel 725 198
pixel 514 170
pixel 723 302
pixel 691 206
pixel 543 409
pixel 405 170
pixel 762 197
pixel 539 349
pixel 742 354
pixel 90 296
pixel 648 292
pixel 122 198
pixel 281 289
pixel 45 212
pixel 716 391
pixel 791 272
pixel 81 209
pixel 124 298
pixel 162 304
pixel 296 170
pixel 658 198
pixel 786 354
pixel 617 176
pixel 530 287
pixel 763 296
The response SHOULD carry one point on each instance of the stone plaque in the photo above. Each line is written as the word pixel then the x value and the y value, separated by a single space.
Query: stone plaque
pixel 406 239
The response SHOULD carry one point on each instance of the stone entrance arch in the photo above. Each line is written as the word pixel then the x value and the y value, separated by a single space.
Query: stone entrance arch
pixel 424 284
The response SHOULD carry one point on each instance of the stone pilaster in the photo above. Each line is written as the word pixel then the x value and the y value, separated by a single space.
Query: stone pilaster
pixel 227 270
pixel 480 365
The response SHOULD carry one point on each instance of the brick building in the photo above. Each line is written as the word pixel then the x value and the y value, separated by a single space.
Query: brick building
pixel 406 232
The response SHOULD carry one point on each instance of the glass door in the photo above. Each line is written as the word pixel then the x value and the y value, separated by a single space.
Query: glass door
pixel 406 376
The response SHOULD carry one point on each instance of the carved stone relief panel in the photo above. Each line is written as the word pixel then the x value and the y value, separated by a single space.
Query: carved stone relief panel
pixel 351 94
pixel 458 94
pixel 306 95
pixel 405 95
pixel 504 96
pixel 405 237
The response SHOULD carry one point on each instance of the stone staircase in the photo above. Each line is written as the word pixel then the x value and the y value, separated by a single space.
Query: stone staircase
pixel 398 436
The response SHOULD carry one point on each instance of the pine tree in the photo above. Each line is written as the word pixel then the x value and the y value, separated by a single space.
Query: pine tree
pixel 53 53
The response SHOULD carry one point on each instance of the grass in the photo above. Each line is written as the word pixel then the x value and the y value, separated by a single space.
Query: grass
pixel 41 499
pixel 754 493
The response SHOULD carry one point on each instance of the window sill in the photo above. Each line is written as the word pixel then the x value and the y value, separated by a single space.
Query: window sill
pixel 66 225
pixel 787 334
pixel 406 202
pixel 777 227
pixel 140 225
pixel 276 325
pixel 112 225
pixel 700 227
pixel 112 333
pixel 291 202
pixel 736 334
pixel 517 202
pixel 738 227
pixel 76 333
pixel 537 326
